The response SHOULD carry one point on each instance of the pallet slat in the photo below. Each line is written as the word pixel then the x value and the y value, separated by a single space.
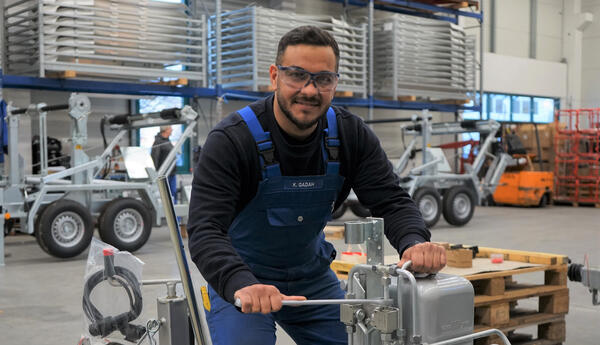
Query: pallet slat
pixel 508 296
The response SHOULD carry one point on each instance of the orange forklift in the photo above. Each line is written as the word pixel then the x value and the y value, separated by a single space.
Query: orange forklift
pixel 522 185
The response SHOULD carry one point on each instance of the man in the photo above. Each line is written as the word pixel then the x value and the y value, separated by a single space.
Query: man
pixel 160 150
pixel 268 179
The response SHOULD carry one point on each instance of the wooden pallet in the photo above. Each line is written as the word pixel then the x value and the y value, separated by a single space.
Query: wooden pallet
pixel 497 295
pixel 452 101
pixel 560 201
pixel 334 232
pixel 344 94
pixel 62 74
pixel 400 98
pixel 454 4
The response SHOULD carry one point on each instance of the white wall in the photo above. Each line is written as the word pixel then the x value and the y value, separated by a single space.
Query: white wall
pixel 549 30
pixel 590 78
pixel 510 74
pixel 512 28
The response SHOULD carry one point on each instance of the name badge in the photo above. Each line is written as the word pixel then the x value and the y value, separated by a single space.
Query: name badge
pixel 303 184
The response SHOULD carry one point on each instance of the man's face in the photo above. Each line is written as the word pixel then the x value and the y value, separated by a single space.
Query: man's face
pixel 303 107
pixel 167 132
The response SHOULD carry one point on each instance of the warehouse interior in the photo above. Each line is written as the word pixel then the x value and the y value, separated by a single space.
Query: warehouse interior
pixel 488 111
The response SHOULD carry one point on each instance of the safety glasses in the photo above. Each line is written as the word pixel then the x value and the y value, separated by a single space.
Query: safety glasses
pixel 298 78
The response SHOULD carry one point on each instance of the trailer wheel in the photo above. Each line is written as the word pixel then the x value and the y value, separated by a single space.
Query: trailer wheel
pixel 339 212
pixel 429 202
pixel 64 228
pixel 360 210
pixel 125 223
pixel 459 205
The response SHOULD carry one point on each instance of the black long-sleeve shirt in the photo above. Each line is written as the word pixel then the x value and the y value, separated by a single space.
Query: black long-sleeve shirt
pixel 227 175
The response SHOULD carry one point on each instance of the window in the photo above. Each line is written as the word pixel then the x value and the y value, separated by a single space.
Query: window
pixel 474 115
pixel 543 110
pixel 147 135
pixel 514 108
pixel 469 136
pixel 521 109
pixel 499 107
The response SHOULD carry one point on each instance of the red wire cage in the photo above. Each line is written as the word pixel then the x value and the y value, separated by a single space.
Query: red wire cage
pixel 577 149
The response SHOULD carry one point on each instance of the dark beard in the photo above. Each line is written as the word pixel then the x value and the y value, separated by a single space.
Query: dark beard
pixel 289 116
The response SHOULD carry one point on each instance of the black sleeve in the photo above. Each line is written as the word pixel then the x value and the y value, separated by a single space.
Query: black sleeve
pixel 216 190
pixel 155 154
pixel 377 188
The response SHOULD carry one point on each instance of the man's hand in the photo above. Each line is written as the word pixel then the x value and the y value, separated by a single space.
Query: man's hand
pixel 426 257
pixel 259 298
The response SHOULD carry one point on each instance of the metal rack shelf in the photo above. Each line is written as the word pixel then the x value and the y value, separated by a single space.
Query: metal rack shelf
pixel 217 92
pixel 92 86
pixel 78 85
pixel 415 8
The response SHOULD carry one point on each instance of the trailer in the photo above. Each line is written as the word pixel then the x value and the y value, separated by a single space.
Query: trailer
pixel 62 209
pixel 436 190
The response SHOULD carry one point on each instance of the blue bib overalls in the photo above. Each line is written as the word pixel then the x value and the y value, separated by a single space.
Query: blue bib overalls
pixel 279 236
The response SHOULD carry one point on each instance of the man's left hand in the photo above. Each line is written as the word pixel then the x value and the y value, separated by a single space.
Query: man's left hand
pixel 426 257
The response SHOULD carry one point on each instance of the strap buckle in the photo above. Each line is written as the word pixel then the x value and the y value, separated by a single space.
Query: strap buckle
pixel 332 146
pixel 267 152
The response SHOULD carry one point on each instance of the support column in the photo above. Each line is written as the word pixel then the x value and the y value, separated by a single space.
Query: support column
pixel 533 14
pixel 574 23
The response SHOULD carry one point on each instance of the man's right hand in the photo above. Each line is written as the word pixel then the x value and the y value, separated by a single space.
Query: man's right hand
pixel 259 298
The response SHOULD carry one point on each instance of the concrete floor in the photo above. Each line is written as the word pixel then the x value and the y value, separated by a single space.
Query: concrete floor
pixel 40 296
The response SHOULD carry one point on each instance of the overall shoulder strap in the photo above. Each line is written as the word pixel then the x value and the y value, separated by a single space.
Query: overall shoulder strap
pixel 332 144
pixel 266 151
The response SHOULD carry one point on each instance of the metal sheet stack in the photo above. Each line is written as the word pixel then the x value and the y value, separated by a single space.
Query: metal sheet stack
pixel 249 39
pixel 130 39
pixel 422 57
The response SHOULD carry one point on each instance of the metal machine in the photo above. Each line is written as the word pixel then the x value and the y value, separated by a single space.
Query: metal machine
pixel 461 192
pixel 588 276
pixel 411 309
pixel 60 208
pixel 388 305
pixel 433 186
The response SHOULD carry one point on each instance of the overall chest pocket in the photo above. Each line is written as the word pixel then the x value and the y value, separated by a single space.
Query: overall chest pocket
pixel 288 217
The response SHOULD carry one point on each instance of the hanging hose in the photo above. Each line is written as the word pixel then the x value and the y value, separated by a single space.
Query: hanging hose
pixel 102 124
pixel 104 325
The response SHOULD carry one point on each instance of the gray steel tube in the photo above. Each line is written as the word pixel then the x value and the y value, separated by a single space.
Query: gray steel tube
pixel 413 286
pixel 474 336
pixel 288 303
pixel 184 272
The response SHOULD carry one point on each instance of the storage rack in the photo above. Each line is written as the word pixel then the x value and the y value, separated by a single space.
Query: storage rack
pixel 135 40
pixel 406 7
pixel 217 91
pixel 249 38
pixel 423 57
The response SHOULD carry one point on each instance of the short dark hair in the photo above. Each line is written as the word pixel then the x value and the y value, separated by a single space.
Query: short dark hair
pixel 309 35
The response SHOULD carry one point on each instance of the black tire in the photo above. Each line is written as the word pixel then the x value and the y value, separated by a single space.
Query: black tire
pixel 429 202
pixel 340 211
pixel 459 205
pixel 125 223
pixel 64 228
pixel 360 210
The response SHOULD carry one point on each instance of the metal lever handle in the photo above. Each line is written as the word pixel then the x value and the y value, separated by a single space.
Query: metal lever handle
pixel 290 303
